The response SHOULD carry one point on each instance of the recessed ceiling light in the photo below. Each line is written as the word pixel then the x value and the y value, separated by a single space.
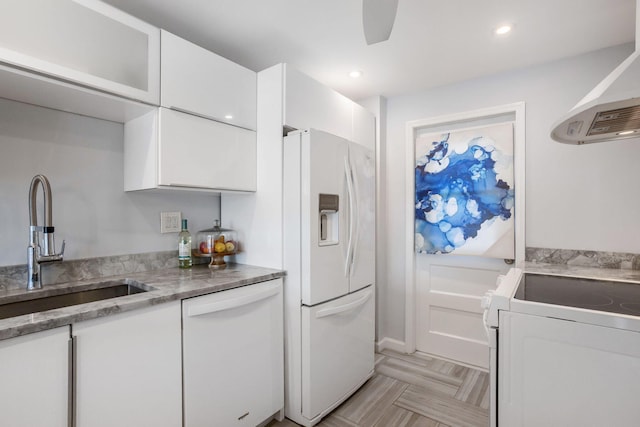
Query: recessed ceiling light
pixel 228 117
pixel 627 132
pixel 355 74
pixel 502 30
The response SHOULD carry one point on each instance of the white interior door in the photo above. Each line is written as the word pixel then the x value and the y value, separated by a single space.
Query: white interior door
pixel 444 317
pixel 449 316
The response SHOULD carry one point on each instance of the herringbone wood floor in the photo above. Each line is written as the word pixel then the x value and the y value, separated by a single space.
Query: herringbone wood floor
pixel 414 391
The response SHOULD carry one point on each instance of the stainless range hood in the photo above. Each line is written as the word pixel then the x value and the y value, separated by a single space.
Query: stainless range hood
pixel 611 110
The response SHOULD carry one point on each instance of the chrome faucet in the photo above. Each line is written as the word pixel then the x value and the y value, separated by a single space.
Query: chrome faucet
pixel 42 245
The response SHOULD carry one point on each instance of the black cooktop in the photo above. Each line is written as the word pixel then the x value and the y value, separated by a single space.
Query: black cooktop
pixel 592 294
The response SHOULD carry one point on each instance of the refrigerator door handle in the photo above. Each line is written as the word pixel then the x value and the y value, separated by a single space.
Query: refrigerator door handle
pixel 348 261
pixel 343 308
pixel 354 218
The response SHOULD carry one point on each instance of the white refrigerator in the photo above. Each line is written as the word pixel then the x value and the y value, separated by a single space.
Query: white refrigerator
pixel 329 255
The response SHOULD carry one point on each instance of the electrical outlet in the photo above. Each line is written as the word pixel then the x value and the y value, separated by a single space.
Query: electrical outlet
pixel 170 222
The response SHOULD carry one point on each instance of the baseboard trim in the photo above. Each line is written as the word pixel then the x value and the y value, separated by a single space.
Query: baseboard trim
pixel 457 362
pixel 391 344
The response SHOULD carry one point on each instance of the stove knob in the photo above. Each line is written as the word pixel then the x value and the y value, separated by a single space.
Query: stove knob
pixel 485 302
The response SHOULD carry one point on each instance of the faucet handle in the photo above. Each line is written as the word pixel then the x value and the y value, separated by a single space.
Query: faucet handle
pixel 41 259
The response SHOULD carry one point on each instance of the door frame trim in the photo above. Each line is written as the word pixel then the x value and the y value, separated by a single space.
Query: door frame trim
pixel 518 110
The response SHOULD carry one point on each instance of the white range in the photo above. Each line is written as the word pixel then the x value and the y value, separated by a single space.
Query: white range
pixel 565 351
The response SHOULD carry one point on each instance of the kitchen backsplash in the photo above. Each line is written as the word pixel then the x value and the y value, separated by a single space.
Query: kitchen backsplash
pixel 618 260
pixel 92 268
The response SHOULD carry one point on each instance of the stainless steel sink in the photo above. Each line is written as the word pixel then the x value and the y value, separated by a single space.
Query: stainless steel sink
pixel 68 297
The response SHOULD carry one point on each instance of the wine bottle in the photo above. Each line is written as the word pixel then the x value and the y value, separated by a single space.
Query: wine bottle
pixel 184 247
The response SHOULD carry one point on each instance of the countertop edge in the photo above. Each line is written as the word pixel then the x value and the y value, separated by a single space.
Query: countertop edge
pixel 167 285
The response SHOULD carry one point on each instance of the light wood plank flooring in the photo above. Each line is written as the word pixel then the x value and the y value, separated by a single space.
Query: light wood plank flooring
pixel 414 391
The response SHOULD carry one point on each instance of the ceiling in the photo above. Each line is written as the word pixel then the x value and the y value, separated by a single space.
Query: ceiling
pixel 433 43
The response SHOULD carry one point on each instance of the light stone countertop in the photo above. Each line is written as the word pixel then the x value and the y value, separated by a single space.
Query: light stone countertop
pixel 167 285
pixel 614 274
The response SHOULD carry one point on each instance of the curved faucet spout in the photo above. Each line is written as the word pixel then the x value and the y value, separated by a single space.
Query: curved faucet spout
pixel 33 191
pixel 40 251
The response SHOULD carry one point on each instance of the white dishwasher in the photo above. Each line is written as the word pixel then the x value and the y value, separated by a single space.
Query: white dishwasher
pixel 233 358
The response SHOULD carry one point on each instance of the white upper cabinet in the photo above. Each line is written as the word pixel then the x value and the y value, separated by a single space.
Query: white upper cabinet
pixel 85 42
pixel 364 127
pixel 202 137
pixel 310 104
pixel 199 82
pixel 171 149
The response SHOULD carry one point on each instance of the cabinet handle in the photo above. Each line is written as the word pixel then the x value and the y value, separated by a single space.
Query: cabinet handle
pixel 203 116
pixel 201 187
pixel 71 398
pixel 342 308
pixel 231 303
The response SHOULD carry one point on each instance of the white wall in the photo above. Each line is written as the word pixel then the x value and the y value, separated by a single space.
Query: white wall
pixel 578 197
pixel 83 159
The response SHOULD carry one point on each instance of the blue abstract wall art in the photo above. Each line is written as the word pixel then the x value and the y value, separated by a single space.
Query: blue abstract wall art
pixel 464 197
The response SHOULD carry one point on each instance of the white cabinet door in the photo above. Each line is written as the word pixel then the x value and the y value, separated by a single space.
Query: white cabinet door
pixel 83 41
pixel 199 153
pixel 171 149
pixel 200 82
pixel 233 356
pixel 364 127
pixel 34 381
pixel 309 104
pixel 128 369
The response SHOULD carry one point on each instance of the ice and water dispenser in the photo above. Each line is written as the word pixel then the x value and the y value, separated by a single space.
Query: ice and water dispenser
pixel 328 206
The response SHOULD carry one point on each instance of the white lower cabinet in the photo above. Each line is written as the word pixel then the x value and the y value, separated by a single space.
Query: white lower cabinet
pixel 34 380
pixel 233 356
pixel 128 369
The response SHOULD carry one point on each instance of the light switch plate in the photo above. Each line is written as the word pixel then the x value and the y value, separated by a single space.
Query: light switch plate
pixel 170 222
